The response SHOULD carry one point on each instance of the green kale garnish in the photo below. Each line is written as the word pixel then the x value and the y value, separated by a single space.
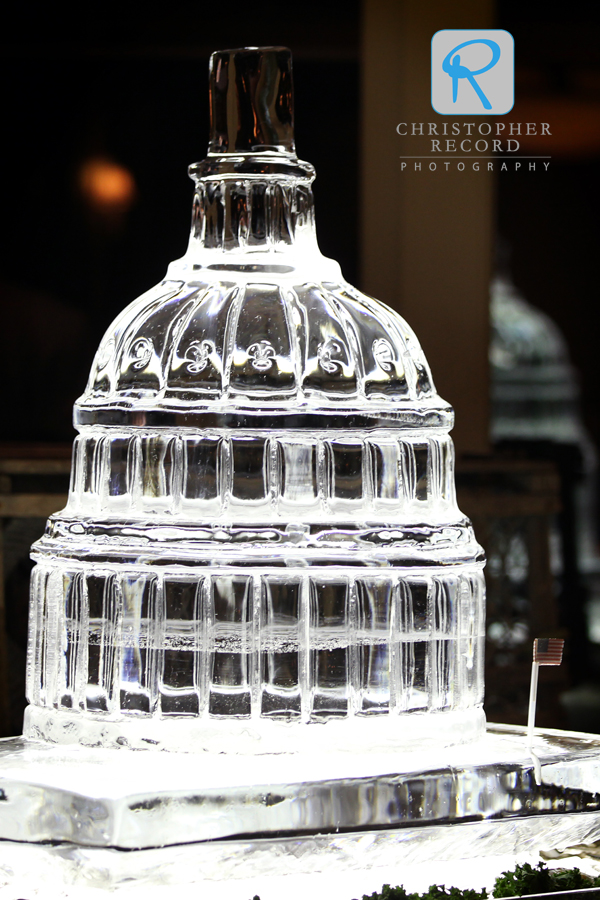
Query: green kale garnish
pixel 391 893
pixel 522 880
pixel 439 892
pixel 526 879
pixel 435 892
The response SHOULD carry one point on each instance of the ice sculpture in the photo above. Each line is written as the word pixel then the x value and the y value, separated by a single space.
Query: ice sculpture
pixel 262 533
pixel 535 394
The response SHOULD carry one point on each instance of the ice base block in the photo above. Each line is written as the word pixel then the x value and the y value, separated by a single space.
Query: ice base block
pixel 110 818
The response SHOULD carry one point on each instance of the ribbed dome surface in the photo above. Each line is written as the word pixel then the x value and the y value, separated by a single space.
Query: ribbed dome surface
pixel 270 342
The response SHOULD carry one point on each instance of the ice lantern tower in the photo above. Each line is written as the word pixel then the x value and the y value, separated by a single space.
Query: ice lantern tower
pixel 262 550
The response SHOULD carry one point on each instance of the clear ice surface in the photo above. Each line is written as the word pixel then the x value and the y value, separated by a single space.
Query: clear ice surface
pixel 133 800
pixel 118 818
pixel 262 551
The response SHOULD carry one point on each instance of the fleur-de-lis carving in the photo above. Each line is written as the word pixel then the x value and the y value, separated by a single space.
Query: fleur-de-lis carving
pixel 141 352
pixel 325 353
pixel 105 353
pixel 384 354
pixel 198 354
pixel 262 355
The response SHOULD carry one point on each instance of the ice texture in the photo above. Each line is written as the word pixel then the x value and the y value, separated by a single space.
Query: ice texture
pixel 262 540
pixel 120 818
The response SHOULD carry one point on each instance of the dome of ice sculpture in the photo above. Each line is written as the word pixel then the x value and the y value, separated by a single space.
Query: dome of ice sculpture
pixel 225 343
pixel 254 317
pixel 262 533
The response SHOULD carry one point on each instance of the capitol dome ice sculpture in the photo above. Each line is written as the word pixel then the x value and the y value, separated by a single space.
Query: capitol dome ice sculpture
pixel 535 394
pixel 262 550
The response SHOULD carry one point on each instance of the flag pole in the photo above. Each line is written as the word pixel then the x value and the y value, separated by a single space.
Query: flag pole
pixel 546 652
pixel 535 668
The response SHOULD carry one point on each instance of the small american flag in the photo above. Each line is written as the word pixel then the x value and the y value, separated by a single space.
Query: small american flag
pixel 548 651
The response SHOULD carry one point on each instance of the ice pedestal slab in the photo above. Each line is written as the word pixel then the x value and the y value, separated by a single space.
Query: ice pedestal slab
pixel 106 818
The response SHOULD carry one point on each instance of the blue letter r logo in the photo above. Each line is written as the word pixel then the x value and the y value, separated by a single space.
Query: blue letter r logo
pixel 456 71
pixel 472 71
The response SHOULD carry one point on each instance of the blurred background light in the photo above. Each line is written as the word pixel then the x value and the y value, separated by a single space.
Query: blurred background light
pixel 107 187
